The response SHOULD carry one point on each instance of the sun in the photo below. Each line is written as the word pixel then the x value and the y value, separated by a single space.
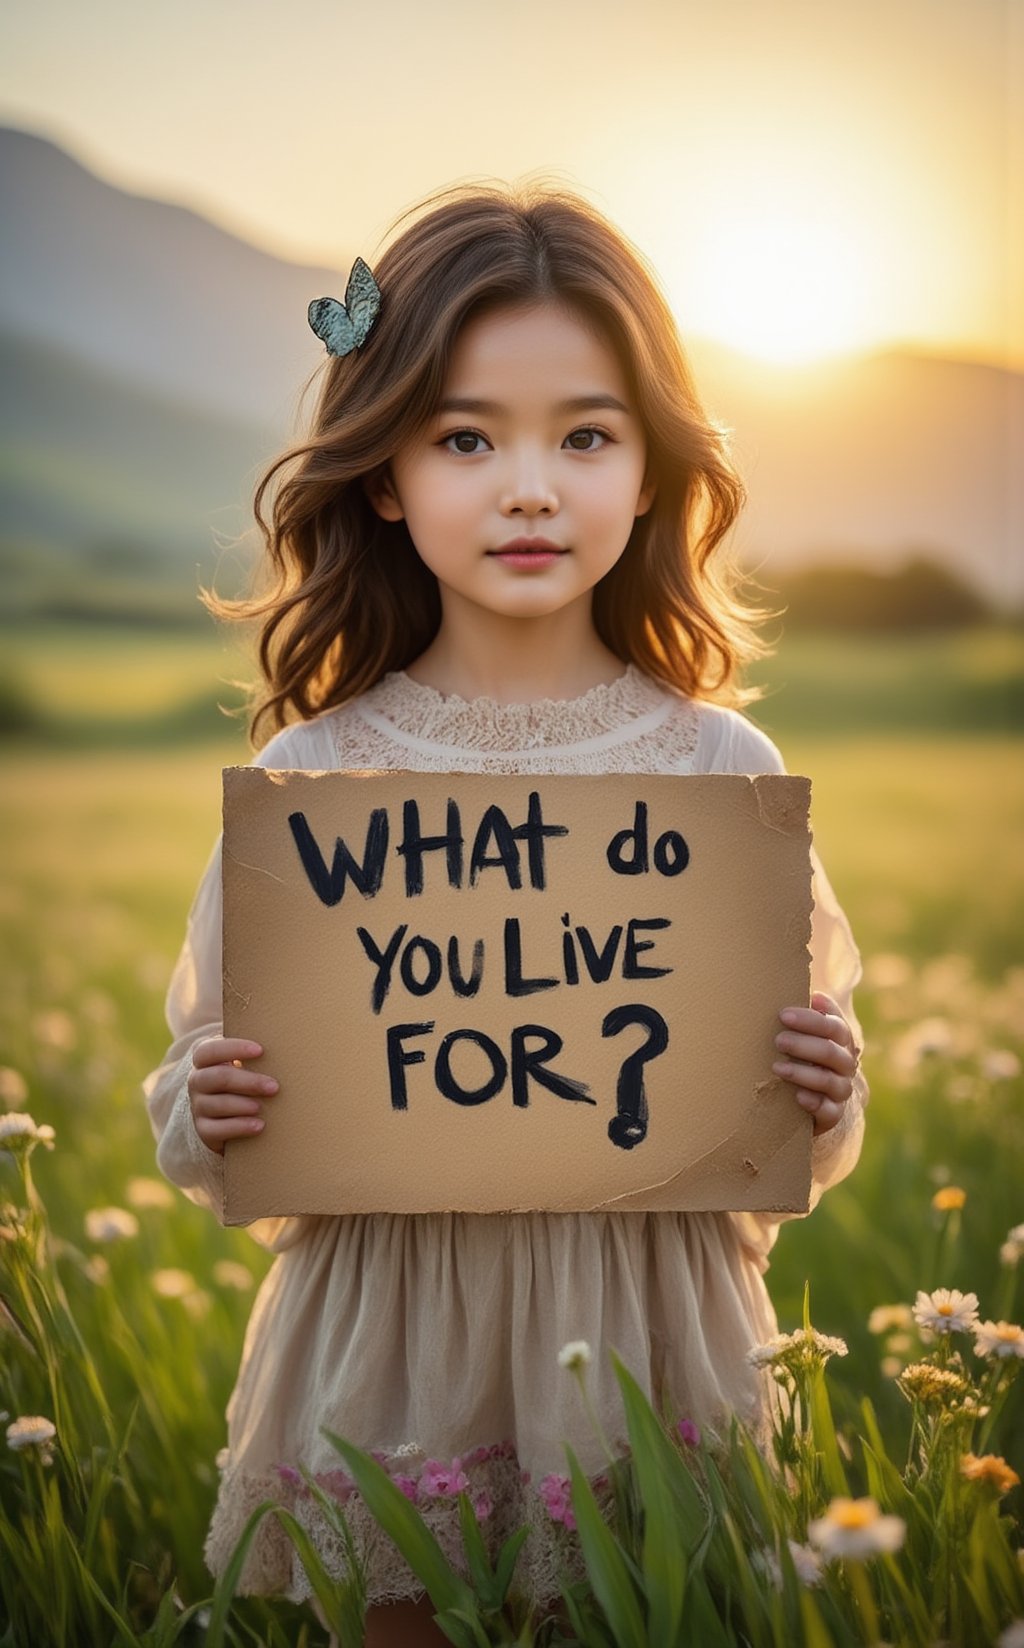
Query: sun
pixel 783 286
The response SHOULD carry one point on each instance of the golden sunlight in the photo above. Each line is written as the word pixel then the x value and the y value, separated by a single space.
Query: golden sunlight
pixel 785 286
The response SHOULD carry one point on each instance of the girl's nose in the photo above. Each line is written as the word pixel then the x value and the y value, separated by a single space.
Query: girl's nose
pixel 528 489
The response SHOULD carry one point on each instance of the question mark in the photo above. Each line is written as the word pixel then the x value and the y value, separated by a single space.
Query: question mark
pixel 628 1127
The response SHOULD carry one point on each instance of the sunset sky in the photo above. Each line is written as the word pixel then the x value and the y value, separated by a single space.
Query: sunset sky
pixel 808 177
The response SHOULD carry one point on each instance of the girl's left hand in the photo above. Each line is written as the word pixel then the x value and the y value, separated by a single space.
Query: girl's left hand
pixel 820 1056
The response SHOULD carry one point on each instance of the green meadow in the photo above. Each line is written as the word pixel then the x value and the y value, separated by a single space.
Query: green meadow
pixel 111 790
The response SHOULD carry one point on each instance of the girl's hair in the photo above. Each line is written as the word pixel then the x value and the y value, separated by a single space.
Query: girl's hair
pixel 349 597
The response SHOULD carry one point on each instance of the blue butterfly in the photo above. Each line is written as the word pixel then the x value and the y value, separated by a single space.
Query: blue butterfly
pixel 343 326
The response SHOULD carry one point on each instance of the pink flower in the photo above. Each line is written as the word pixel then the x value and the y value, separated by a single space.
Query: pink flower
pixel 478 1456
pixel 483 1505
pixel 688 1433
pixel 289 1474
pixel 554 1491
pixel 337 1484
pixel 407 1485
pixel 437 1480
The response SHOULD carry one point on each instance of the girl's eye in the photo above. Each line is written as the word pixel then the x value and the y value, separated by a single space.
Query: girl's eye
pixel 588 439
pixel 588 431
pixel 460 435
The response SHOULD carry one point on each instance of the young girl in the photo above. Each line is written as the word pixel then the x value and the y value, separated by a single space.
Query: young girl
pixel 498 550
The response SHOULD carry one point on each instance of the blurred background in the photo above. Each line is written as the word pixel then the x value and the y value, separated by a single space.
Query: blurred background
pixel 831 196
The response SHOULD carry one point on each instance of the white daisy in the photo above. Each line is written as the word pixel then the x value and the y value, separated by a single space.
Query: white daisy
pixel 575 1355
pixel 18 1131
pixel 110 1224
pixel 797 1350
pixel 999 1340
pixel 1000 1064
pixel 1013 1248
pixel 887 971
pixel 144 1193
pixel 947 1310
pixel 856 1528
pixel 806 1561
pixel 172 1283
pixel 55 1028
pixel 886 1317
pixel 13 1086
pixel 32 1431
pixel 228 1273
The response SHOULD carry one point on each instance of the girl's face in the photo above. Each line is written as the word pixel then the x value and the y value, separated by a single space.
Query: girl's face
pixel 536 442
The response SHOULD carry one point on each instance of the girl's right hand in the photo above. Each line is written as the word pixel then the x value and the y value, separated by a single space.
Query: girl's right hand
pixel 223 1095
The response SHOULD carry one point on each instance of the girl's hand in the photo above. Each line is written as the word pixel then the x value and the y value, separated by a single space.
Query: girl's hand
pixel 820 1057
pixel 223 1094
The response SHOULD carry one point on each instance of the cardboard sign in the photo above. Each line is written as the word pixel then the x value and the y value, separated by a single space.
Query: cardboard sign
pixel 503 994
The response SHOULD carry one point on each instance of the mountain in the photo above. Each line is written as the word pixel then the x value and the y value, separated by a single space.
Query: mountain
pixel 151 292
pixel 152 360
pixel 86 458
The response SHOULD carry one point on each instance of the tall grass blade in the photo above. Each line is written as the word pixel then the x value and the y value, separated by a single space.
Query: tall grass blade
pixel 674 1513
pixel 606 1563
pixel 227 1584
pixel 462 1628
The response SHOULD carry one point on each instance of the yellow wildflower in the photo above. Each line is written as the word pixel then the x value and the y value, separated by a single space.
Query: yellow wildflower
pixel 923 1382
pixel 949 1199
pixel 989 1467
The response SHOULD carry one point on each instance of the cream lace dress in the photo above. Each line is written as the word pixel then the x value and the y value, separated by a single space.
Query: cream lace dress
pixel 433 1339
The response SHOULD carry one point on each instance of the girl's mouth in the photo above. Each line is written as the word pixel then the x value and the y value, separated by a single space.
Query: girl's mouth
pixel 527 557
pixel 525 552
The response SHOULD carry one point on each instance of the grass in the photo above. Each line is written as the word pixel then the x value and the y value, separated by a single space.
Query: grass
pixel 101 682
pixel 102 848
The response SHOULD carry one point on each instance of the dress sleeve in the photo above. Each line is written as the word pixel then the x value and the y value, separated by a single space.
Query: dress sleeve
pixel 836 970
pixel 193 1010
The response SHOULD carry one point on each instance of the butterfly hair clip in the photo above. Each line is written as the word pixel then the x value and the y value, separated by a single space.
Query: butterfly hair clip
pixel 344 326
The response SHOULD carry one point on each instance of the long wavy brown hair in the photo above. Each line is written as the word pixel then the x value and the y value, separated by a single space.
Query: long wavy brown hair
pixel 346 597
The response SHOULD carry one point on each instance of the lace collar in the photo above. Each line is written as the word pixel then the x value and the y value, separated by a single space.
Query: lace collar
pixel 622 709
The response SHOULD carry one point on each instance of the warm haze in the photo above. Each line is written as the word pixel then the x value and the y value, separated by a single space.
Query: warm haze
pixel 809 178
